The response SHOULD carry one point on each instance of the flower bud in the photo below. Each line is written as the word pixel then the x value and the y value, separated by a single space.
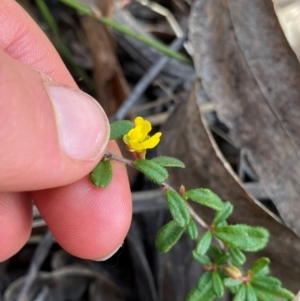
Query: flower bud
pixel 181 190
pixel 233 272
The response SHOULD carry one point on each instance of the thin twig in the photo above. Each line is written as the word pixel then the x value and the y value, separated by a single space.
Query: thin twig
pixel 128 162
pixel 197 218
pixel 146 80
pixel 38 258
pixel 165 185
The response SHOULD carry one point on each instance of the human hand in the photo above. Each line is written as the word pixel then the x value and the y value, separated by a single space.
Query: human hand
pixel 51 136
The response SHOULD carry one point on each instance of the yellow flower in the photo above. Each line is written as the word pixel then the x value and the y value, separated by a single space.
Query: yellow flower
pixel 138 139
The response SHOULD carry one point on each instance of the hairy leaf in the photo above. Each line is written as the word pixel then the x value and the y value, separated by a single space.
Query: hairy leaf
pixel 168 162
pixel 178 208
pixel 222 215
pixel 230 283
pixel 222 259
pixel 273 295
pixel 102 174
pixel 204 290
pixel 250 293
pixel 265 282
pixel 168 236
pixel 204 243
pixel 217 283
pixel 261 266
pixel 120 128
pixel 244 237
pixel 203 259
pixel 205 197
pixel 215 252
pixel 192 229
pixel 153 171
pixel 241 294
pixel 237 256
pixel 206 294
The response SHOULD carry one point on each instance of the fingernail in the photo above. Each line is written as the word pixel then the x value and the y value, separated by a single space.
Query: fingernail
pixel 110 255
pixel 82 124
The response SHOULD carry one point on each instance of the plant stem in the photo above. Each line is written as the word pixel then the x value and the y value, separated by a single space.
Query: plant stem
pixel 165 185
pixel 125 30
pixel 128 162
pixel 112 156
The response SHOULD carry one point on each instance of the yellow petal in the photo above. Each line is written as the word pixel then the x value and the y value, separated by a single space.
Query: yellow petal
pixel 138 121
pixel 152 141
pixel 125 139
pixel 135 133
pixel 145 129
pixel 136 146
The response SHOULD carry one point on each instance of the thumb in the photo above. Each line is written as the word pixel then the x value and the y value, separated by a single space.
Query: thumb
pixel 51 135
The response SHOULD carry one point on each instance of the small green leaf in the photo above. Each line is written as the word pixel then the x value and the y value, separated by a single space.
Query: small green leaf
pixel 267 287
pixel 120 128
pixel 205 197
pixel 192 229
pixel 265 282
pixel 153 171
pixel 168 236
pixel 178 208
pixel 230 283
pixel 215 252
pixel 205 295
pixel 204 290
pixel 243 237
pixel 237 256
pixel 241 294
pixel 204 243
pixel 222 259
pixel 203 259
pixel 250 293
pixel 273 295
pixel 261 266
pixel 168 162
pixel 205 280
pixel 222 215
pixel 102 174
pixel 217 284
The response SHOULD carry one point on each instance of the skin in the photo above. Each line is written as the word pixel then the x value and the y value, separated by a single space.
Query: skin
pixel 86 221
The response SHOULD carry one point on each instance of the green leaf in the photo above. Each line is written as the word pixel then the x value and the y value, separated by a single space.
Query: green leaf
pixel 204 290
pixel 204 243
pixel 203 259
pixel 243 237
pixel 237 256
pixel 261 266
pixel 265 282
pixel 269 287
pixel 153 171
pixel 192 229
pixel 250 293
pixel 204 280
pixel 222 259
pixel 230 282
pixel 205 197
pixel 178 208
pixel 215 252
pixel 102 174
pixel 168 236
pixel 168 162
pixel 273 295
pixel 206 294
pixel 222 215
pixel 120 128
pixel 241 294
pixel 217 284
